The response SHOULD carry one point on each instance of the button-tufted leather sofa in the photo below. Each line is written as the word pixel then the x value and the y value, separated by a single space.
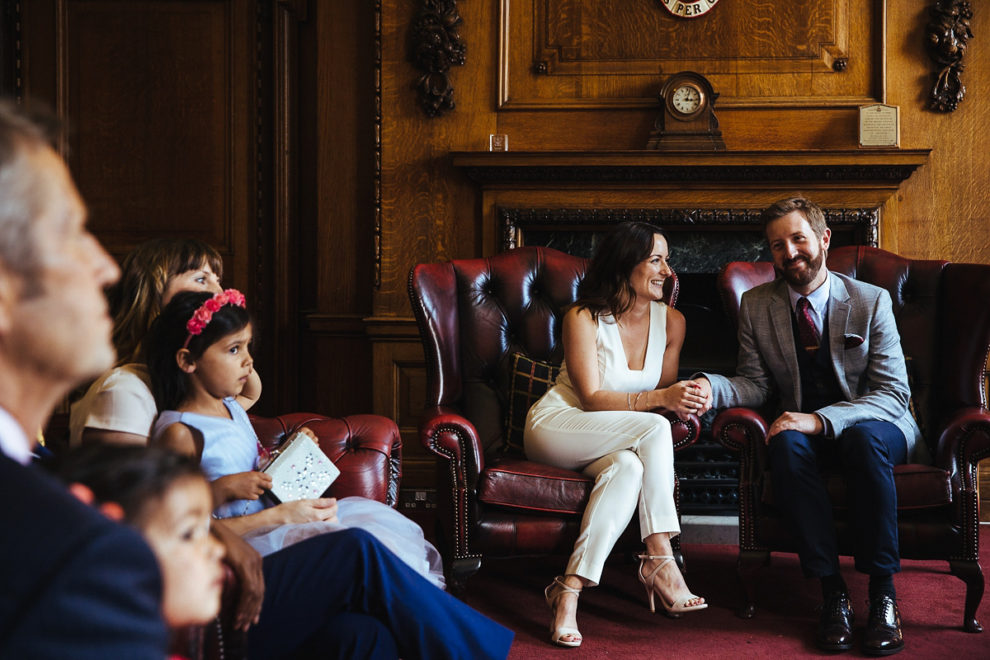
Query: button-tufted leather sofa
pixel 943 315
pixel 473 314
pixel 368 451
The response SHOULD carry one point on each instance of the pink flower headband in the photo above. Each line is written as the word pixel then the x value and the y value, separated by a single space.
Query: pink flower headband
pixel 202 316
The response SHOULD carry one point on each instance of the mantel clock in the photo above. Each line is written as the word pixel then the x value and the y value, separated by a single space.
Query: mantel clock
pixel 687 121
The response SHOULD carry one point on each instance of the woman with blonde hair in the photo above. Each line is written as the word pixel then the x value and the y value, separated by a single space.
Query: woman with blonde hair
pixel 119 406
pixel 152 273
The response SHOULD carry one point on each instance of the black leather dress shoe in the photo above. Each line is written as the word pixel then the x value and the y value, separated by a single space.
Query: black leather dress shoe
pixel 883 629
pixel 835 625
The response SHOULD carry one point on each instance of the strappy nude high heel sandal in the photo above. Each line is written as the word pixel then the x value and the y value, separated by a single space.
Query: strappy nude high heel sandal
pixel 672 609
pixel 552 593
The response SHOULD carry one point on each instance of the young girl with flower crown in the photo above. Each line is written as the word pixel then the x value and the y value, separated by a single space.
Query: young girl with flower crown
pixel 199 359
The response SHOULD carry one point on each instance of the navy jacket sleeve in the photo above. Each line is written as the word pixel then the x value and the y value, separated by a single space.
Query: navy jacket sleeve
pixel 74 584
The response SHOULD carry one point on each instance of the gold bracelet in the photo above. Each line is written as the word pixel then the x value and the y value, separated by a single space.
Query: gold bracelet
pixel 628 400
pixel 636 401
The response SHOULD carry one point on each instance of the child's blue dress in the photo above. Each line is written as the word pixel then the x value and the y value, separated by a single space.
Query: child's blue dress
pixel 231 446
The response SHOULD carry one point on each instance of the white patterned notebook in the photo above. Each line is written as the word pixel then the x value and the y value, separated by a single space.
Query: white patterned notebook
pixel 301 470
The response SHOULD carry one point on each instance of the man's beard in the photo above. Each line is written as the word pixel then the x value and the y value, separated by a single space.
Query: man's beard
pixel 804 277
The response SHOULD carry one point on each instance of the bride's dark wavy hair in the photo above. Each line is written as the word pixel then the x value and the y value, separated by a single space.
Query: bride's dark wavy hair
pixel 605 287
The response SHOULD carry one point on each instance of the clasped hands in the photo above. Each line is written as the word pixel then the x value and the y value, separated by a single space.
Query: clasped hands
pixel 809 423
pixel 687 397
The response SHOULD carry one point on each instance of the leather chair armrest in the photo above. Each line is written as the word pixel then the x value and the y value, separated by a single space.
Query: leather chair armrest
pixel 964 441
pixel 744 431
pixel 452 437
pixel 739 429
pixel 684 432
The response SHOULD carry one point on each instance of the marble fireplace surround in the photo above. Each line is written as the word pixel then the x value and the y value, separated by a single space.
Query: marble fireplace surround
pixel 708 205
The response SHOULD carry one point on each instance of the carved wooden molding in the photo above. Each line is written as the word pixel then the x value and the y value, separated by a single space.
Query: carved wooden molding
pixel 686 174
pixel 377 184
pixel 435 45
pixel 947 35
pixel 865 221
pixel 280 283
pixel 592 54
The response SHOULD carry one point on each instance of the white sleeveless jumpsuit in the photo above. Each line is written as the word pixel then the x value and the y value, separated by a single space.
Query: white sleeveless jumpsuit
pixel 629 454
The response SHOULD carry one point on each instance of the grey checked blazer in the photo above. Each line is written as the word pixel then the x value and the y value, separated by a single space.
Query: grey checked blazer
pixel 866 355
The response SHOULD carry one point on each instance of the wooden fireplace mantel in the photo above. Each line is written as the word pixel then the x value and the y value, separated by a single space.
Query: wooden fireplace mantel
pixel 882 167
pixel 599 181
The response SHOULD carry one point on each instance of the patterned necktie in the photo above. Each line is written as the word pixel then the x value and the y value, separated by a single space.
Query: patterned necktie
pixel 810 337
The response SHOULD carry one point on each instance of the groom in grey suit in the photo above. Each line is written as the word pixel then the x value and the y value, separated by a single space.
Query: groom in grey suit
pixel 824 349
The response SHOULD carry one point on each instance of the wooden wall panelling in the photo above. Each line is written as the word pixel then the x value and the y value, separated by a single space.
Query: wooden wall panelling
pixel 428 208
pixel 335 365
pixel 609 53
pixel 344 150
pixel 336 165
pixel 743 129
pixel 949 204
pixel 172 109
pixel 283 277
pixel 400 379
pixel 158 97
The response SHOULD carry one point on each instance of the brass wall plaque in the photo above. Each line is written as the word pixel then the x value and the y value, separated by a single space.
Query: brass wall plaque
pixel 879 125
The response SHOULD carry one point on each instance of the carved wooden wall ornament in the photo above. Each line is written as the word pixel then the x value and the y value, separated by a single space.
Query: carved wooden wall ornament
pixel 947 35
pixel 435 45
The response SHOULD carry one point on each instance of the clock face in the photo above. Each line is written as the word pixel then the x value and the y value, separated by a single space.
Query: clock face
pixel 686 99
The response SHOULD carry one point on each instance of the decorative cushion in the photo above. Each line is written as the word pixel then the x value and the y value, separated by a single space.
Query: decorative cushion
pixel 909 366
pixel 528 381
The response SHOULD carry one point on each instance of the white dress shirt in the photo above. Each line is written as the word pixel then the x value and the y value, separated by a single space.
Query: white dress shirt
pixel 13 441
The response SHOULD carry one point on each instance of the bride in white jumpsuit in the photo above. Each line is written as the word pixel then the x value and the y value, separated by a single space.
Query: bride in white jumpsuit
pixel 621 349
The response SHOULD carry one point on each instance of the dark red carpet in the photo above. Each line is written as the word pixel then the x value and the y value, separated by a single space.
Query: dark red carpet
pixel 616 623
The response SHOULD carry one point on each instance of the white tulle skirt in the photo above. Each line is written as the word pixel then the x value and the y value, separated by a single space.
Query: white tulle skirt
pixel 399 534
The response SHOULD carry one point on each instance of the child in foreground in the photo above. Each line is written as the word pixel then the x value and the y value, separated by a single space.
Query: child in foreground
pixel 199 361
pixel 165 497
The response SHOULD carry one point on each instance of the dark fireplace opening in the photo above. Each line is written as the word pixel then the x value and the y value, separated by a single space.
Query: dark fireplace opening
pixel 701 242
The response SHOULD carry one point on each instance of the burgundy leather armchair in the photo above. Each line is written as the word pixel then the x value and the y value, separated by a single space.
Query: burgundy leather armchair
pixel 473 314
pixel 943 315
pixel 368 451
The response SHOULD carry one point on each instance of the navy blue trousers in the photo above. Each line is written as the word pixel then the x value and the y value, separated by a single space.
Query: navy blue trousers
pixel 865 454
pixel 346 595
